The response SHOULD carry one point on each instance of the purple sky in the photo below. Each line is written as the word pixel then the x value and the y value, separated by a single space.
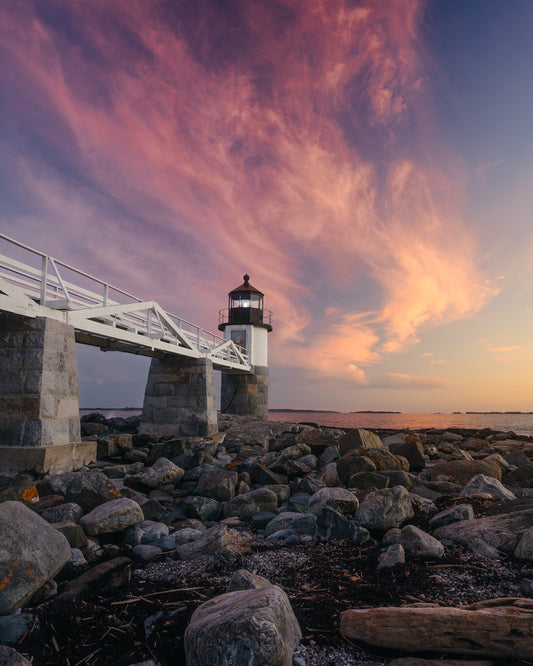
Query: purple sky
pixel 369 164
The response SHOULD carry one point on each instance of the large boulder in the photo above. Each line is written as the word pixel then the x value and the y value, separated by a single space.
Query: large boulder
pixel 461 471
pixel 246 505
pixel 112 516
pixel 412 449
pixel 301 523
pixel 359 439
pixel 31 552
pixel 353 463
pixel 218 484
pixel 383 509
pixel 340 499
pixel 417 542
pixel 332 525
pixel 220 543
pixel 501 531
pixel 89 489
pixel 163 471
pixel 487 485
pixel 255 626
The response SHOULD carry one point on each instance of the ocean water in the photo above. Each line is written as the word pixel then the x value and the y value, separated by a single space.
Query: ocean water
pixel 521 424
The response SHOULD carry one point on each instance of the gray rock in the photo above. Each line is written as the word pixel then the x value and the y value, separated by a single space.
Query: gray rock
pixel 58 514
pixel 353 463
pixel 55 484
pixel 332 525
pixel 184 536
pixel 254 626
pixel 301 523
pixel 245 506
pixel 384 460
pixel 145 552
pixel 294 452
pixel 260 520
pixel 14 626
pixel 412 449
pixel 328 475
pixel 145 532
pixel 526 587
pixel 309 485
pixel 163 471
pixel 452 515
pixel 202 508
pixel 286 536
pixel 90 489
pixel 340 499
pixel 521 477
pixel 329 455
pixel 10 657
pixel 417 542
pixel 298 502
pixel 524 549
pixel 112 516
pixel 383 509
pixel 76 565
pixel 461 471
pixel 488 485
pixel 399 477
pixel 501 532
pixel 244 580
pixel 365 480
pixel 74 533
pixel 31 552
pixel 219 542
pixel 422 506
pixel 262 475
pixel 393 557
pixel 218 485
pixel 282 492
pixel 359 439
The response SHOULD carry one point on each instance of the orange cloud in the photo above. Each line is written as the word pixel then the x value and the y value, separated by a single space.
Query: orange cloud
pixel 254 160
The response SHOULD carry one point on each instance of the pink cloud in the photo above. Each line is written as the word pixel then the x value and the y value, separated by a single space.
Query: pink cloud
pixel 227 174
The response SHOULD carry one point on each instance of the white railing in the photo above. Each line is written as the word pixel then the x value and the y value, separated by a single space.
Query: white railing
pixel 97 308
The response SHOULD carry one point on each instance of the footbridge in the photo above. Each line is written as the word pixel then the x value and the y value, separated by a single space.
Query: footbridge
pixel 46 306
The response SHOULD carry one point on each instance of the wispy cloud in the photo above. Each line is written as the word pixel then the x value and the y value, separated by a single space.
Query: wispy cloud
pixel 483 168
pixel 201 157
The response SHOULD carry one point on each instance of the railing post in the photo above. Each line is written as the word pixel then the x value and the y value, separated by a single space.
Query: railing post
pixel 106 293
pixel 44 278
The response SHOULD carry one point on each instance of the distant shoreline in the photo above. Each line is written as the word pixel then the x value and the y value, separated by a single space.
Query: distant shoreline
pixel 307 411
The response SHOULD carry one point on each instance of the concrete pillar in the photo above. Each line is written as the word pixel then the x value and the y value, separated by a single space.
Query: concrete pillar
pixel 180 398
pixel 39 407
pixel 245 394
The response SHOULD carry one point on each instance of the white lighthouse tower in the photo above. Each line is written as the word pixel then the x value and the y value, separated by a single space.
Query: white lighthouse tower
pixel 247 323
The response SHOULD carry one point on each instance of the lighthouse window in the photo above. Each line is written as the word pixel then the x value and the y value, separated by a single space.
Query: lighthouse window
pixel 247 300
pixel 239 338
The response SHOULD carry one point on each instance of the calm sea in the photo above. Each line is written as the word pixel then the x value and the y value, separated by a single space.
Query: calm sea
pixel 521 424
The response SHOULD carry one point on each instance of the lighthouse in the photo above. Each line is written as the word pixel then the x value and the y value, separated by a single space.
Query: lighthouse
pixel 247 323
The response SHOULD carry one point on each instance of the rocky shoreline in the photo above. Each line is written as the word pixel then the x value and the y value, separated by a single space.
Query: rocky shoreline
pixel 272 543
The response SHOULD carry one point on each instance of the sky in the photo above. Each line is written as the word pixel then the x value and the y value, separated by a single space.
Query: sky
pixel 369 164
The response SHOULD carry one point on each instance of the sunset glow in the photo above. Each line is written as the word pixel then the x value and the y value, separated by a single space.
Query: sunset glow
pixel 368 163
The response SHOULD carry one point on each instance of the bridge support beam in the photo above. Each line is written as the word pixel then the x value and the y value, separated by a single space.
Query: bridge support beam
pixel 39 406
pixel 180 398
pixel 246 394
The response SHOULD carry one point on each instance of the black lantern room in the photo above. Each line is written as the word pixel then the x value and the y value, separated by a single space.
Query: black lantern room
pixel 245 306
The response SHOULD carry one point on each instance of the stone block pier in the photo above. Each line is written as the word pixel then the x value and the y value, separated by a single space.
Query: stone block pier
pixel 43 316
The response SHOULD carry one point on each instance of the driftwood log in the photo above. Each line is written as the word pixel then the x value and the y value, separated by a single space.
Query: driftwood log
pixel 495 628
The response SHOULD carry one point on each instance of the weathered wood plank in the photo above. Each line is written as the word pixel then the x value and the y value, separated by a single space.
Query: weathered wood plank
pixel 490 628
